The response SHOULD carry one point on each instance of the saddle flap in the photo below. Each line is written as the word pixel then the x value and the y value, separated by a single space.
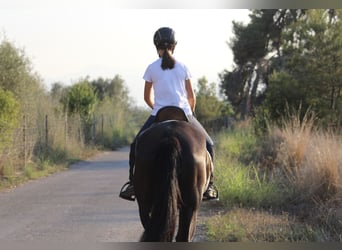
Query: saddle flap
pixel 171 113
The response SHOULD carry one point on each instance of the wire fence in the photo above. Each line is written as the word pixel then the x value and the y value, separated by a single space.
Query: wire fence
pixel 30 140
pixel 38 135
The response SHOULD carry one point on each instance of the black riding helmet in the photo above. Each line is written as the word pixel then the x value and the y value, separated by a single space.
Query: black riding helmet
pixel 164 38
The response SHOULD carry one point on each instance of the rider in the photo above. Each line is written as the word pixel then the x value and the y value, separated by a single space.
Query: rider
pixel 168 81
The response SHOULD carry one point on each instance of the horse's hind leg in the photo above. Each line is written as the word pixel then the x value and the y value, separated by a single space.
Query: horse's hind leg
pixel 144 211
pixel 192 228
pixel 187 224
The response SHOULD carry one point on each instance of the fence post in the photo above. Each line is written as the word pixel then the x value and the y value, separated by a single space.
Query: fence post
pixel 93 130
pixel 102 128
pixel 66 130
pixel 46 132
pixel 24 141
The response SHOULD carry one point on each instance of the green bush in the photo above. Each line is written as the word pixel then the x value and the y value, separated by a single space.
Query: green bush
pixel 9 109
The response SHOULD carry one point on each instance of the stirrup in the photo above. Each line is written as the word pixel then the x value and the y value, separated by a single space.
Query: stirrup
pixel 211 194
pixel 127 192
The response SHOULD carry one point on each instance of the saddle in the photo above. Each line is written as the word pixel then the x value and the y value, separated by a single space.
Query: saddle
pixel 171 113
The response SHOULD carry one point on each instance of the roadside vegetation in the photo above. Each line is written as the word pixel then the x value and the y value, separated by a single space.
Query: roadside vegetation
pixel 279 170
pixel 44 131
pixel 284 186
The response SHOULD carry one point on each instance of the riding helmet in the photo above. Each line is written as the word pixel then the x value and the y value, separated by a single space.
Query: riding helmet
pixel 164 37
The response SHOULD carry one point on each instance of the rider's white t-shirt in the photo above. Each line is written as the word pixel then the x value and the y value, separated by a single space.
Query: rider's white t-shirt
pixel 168 86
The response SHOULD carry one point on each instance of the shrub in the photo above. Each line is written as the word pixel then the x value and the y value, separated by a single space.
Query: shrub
pixel 9 109
pixel 309 159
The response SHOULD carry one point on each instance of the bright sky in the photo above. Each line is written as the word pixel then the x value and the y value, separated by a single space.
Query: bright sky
pixel 67 40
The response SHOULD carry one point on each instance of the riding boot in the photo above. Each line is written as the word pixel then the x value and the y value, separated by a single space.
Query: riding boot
pixel 211 193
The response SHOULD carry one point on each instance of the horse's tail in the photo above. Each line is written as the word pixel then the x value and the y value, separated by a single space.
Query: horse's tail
pixel 167 194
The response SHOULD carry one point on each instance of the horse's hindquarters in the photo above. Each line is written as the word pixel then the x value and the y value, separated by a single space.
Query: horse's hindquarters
pixel 170 178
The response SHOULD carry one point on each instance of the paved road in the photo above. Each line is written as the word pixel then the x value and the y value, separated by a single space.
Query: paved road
pixel 77 205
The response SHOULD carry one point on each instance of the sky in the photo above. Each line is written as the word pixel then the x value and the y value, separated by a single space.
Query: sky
pixel 68 40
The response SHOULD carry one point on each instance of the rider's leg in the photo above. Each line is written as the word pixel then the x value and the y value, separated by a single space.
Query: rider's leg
pixel 127 191
pixel 211 192
pixel 131 161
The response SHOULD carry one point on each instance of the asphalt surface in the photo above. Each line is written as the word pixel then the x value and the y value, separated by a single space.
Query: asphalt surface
pixel 77 205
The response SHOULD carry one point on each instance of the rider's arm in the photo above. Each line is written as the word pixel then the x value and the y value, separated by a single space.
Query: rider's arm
pixel 191 94
pixel 148 94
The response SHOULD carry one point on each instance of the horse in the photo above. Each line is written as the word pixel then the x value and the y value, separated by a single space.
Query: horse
pixel 172 170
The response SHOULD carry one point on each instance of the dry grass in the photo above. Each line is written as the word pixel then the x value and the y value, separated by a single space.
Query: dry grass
pixel 250 225
pixel 310 159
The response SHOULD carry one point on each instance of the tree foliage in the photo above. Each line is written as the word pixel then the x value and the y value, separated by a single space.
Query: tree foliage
pixel 9 109
pixel 286 58
pixel 114 89
pixel 25 86
pixel 81 100
pixel 253 46
pixel 13 68
pixel 312 75
pixel 208 105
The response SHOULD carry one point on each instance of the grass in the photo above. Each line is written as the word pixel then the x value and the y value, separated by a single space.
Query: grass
pixel 250 225
pixel 49 162
pixel 31 172
pixel 242 185
pixel 286 186
pixel 238 176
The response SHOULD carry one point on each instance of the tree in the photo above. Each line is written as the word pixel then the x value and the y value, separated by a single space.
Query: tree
pixel 312 75
pixel 112 88
pixel 257 51
pixel 208 105
pixel 81 100
pixel 13 67
pixel 17 77
pixel 9 109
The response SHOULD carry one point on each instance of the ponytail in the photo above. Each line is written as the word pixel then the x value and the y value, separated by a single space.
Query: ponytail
pixel 168 61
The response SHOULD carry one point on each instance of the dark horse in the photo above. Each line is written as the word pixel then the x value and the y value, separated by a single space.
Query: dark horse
pixel 172 169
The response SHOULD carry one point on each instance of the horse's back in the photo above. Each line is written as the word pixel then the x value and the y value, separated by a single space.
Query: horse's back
pixel 191 139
